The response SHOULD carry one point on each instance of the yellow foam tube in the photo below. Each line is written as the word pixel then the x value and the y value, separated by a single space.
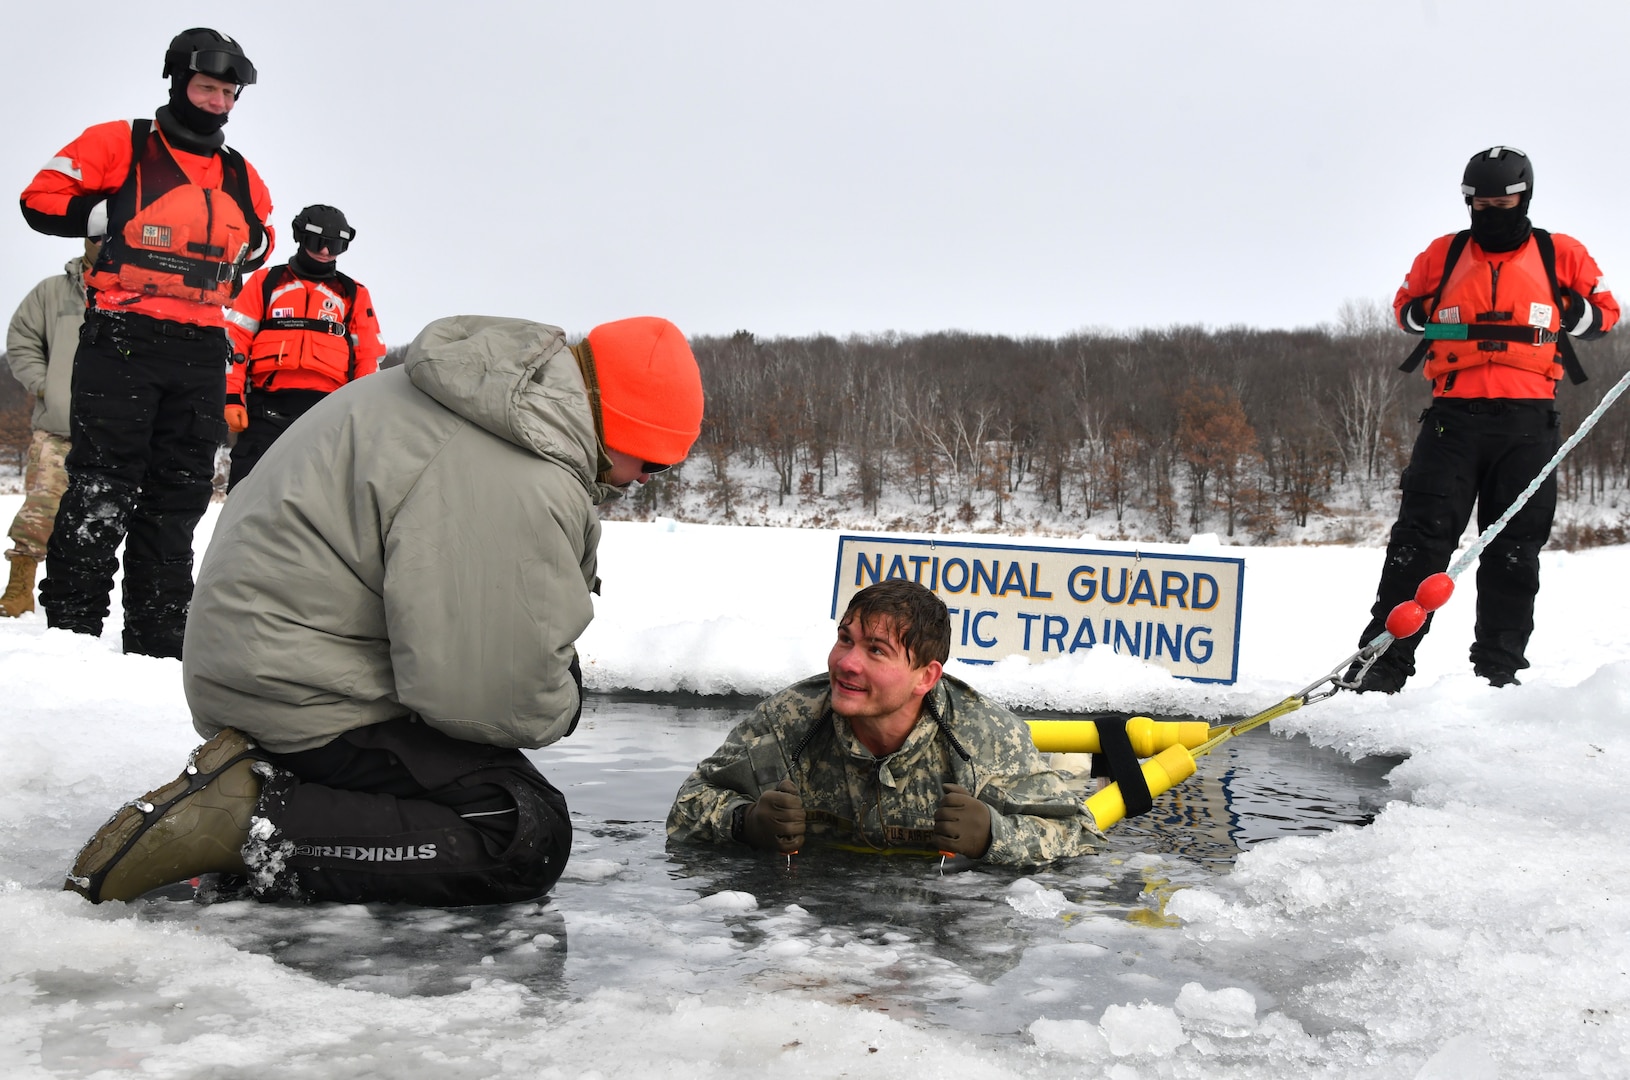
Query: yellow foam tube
pixel 1148 737
pixel 1162 772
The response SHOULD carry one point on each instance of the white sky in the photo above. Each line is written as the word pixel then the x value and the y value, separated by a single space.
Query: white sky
pixel 1022 168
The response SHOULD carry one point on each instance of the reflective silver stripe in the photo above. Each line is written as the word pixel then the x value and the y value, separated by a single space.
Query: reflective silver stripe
pixel 96 223
pixel 354 339
pixel 1600 286
pixel 63 165
pixel 287 286
pixel 238 318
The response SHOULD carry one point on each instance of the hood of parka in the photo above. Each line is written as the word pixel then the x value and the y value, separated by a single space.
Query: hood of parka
pixel 516 379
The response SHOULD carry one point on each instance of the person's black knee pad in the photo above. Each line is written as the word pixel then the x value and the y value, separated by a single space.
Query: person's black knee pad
pixel 537 853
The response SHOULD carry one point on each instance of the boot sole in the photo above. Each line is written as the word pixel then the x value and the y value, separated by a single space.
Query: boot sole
pixel 113 841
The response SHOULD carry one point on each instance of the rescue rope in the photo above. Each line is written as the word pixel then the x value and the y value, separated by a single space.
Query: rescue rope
pixel 1179 747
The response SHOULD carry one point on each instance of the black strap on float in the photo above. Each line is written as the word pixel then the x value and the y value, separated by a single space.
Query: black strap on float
pixel 1452 256
pixel 1120 763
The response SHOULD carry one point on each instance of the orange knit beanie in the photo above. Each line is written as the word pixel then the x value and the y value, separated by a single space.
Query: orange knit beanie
pixel 650 388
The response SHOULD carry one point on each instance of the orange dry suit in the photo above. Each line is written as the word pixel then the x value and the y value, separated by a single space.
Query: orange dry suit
pixel 1510 310
pixel 291 332
pixel 182 227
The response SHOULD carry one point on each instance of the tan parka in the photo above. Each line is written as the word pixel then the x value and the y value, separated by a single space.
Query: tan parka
pixel 41 341
pixel 421 543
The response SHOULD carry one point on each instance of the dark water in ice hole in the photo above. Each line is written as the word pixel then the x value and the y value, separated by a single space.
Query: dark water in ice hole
pixel 982 951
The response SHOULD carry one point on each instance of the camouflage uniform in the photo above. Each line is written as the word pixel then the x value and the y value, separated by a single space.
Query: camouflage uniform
pixel 40 344
pixel 852 797
pixel 45 478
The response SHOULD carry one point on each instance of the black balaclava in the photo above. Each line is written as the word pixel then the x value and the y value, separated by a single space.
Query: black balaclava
pixel 307 267
pixel 190 115
pixel 1497 229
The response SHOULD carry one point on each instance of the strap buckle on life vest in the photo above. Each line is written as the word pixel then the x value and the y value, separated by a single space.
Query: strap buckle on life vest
pixel 1526 335
pixel 316 326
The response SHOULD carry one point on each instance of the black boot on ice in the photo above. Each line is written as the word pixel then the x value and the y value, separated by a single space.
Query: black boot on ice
pixel 196 824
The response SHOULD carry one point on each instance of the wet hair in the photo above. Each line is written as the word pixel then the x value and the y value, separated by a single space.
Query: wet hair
pixel 918 618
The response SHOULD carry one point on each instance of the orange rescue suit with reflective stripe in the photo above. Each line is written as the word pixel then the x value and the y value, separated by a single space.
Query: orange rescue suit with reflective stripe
pixel 288 359
pixel 97 164
pixel 1514 286
pixel 197 224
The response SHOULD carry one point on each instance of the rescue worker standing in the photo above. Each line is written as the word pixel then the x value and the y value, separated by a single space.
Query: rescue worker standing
pixel 299 331
pixel 40 344
pixel 1496 304
pixel 185 218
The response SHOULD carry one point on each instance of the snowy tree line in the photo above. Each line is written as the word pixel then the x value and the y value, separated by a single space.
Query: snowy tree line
pixel 1234 430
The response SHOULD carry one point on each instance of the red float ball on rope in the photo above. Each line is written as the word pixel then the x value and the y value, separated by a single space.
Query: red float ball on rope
pixel 1406 620
pixel 1435 591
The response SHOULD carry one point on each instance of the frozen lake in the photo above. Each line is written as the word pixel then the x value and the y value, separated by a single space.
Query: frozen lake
pixel 986 951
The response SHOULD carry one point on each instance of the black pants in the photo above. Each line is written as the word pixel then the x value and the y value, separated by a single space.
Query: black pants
pixel 270 414
pixel 147 408
pixel 401 812
pixel 1483 452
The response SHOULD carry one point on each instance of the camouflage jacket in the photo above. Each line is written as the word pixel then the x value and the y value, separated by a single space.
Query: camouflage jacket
pixel 854 798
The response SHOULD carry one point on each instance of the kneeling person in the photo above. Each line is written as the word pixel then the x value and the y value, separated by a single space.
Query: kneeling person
pixel 386 618
pixel 887 752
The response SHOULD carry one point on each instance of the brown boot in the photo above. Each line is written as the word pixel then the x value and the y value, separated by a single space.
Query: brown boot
pixel 196 824
pixel 19 594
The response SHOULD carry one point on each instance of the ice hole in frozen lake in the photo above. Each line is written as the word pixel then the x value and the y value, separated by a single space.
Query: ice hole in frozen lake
pixel 987 951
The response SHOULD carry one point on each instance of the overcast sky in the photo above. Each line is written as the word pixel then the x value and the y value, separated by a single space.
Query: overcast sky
pixel 1023 168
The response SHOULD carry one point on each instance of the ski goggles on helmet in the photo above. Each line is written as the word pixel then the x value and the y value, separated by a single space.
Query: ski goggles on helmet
pixel 223 65
pixel 314 240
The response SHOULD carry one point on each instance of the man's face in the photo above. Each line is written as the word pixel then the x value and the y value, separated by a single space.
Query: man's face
pixel 870 673
pixel 317 250
pixel 211 94
pixel 1495 202
pixel 626 468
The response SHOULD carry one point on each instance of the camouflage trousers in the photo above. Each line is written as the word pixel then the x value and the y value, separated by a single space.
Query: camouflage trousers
pixel 45 478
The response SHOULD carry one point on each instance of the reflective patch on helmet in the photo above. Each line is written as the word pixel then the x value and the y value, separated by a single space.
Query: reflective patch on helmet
pixel 1540 315
pixel 155 236
pixel 1520 185
pixel 1448 315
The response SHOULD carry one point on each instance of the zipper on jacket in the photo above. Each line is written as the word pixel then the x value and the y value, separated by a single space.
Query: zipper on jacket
pixel 209 224
pixel 1494 286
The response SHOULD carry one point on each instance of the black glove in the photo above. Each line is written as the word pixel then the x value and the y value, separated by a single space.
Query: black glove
pixel 1577 313
pixel 575 670
pixel 962 823
pixel 1413 318
pixel 776 821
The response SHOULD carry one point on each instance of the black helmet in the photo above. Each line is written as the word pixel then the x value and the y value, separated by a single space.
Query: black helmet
pixel 1499 170
pixel 208 52
pixel 323 226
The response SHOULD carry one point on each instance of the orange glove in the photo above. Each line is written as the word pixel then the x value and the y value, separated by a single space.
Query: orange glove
pixel 237 417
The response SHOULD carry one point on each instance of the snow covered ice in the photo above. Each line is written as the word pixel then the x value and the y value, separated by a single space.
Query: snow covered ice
pixel 1477 927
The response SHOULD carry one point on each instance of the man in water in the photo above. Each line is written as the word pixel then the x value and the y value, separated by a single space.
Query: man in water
pixel 887 753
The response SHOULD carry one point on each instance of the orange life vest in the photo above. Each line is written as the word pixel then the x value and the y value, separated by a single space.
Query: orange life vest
pixel 306 324
pixel 1510 291
pixel 168 236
